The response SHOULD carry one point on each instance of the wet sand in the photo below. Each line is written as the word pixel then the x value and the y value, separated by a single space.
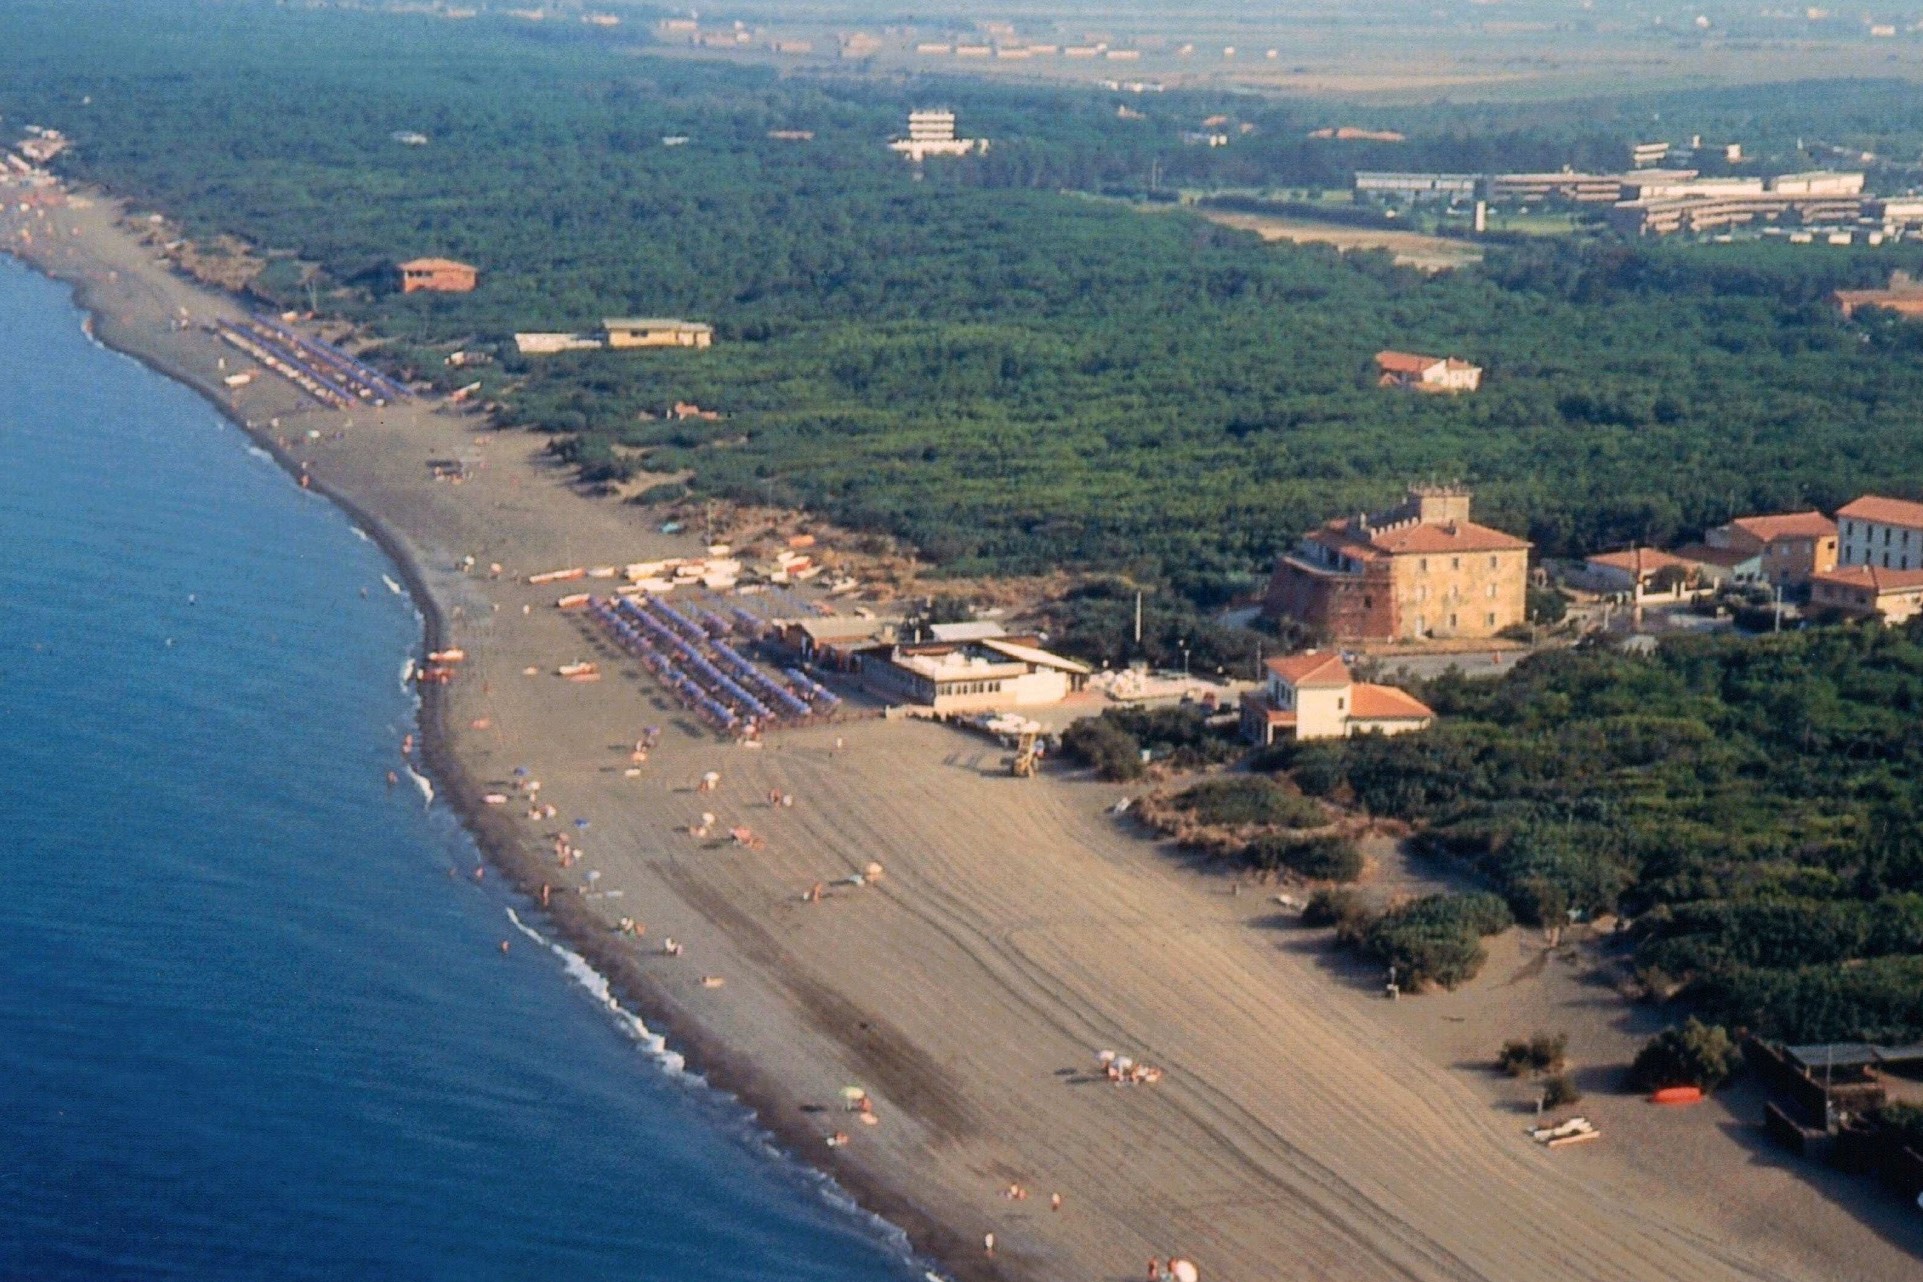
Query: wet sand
pixel 1305 1128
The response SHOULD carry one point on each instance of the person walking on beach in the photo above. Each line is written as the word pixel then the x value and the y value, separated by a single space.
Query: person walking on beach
pixel 988 1242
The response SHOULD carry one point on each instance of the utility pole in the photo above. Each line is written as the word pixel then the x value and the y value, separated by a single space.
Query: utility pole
pixel 1138 620
pixel 1779 609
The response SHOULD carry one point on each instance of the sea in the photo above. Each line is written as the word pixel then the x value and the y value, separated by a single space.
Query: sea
pixel 255 1021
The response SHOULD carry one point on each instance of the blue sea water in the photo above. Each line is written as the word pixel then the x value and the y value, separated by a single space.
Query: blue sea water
pixel 254 1020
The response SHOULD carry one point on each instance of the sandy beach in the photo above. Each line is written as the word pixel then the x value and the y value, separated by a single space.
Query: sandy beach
pixel 1304 1129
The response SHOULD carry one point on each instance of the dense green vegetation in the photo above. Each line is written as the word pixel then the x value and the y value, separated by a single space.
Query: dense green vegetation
pixel 1754 804
pixel 1436 939
pixel 1691 1054
pixel 1318 856
pixel 1178 737
pixel 1240 800
pixel 1009 377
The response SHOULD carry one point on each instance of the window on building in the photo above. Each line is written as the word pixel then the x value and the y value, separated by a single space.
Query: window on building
pixel 1491 592
pixel 1340 703
pixel 1455 563
pixel 1492 562
pixel 1886 560
pixel 1452 620
pixel 1849 529
pixel 1491 620
pixel 1423 565
pixel 1886 536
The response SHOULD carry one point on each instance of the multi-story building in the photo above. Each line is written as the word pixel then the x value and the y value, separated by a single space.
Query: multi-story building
pixel 1793 546
pixel 1881 532
pixel 1422 570
pixel 1314 696
pixel 1417 187
pixel 931 132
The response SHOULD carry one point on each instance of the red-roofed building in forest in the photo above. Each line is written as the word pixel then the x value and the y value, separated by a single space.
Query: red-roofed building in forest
pixel 1421 570
pixel 1869 592
pixel 1314 696
pixel 1793 546
pixel 1885 533
pixel 437 275
pixel 1426 373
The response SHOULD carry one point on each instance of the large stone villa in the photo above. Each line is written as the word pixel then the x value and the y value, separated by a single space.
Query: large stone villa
pixel 1419 571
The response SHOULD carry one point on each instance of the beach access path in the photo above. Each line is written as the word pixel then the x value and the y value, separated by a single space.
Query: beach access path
pixel 1301 1131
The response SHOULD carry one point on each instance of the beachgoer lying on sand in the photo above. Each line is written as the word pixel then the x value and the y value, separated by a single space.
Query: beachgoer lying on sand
pixel 671 947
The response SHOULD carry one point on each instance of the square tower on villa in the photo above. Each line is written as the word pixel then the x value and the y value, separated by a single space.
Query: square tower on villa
pixel 1419 571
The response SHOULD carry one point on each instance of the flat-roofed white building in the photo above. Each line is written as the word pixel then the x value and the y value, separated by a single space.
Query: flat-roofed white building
pixel 986 675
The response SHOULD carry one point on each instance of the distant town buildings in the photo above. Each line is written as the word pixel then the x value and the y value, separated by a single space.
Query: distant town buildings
pixel 1705 204
pixel 1656 201
pixel 1646 155
pixel 1355 133
pixel 1314 696
pixel 1426 373
pixel 1422 570
pixel 1416 187
pixel 931 132
pixel 437 275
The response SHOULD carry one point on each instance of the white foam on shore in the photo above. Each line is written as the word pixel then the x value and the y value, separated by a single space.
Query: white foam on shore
pixel 407 674
pixel 360 534
pixel 421 782
pixel 596 983
pixel 260 454
pixel 392 586
pixel 675 1066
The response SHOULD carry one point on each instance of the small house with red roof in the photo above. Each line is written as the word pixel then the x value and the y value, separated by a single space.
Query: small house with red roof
pixel 1869 592
pixel 437 275
pixel 1313 695
pixel 1793 545
pixel 1642 573
pixel 1426 373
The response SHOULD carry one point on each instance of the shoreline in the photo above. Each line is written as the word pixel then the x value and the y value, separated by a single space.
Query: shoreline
pixel 571 922
pixel 974 1076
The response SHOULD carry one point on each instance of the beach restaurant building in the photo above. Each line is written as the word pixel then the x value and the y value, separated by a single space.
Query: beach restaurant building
pixel 989 674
